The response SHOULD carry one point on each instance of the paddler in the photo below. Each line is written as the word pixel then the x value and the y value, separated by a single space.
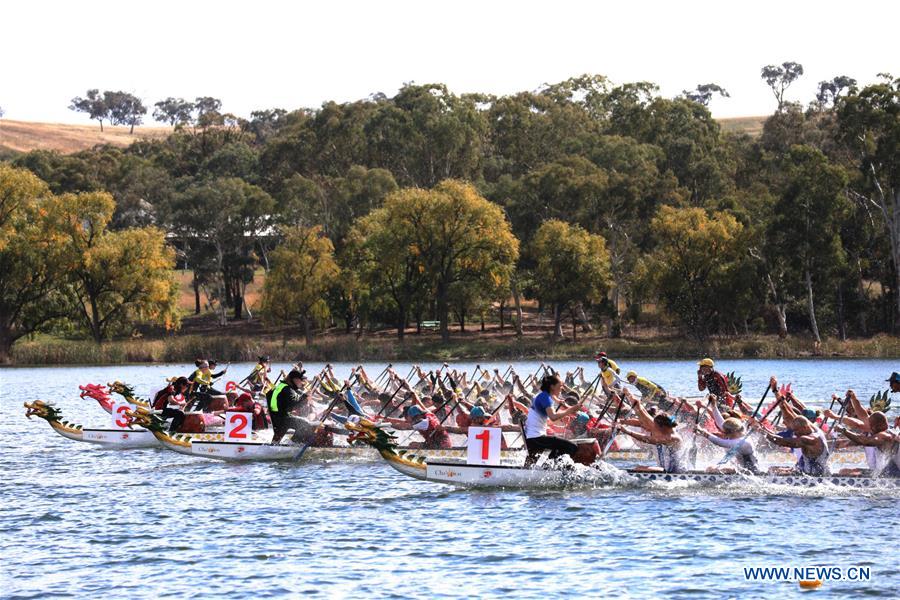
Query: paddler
pixel 245 403
pixel 258 379
pixel 894 381
pixel 609 372
pixel 660 433
pixel 733 435
pixel 416 418
pixel 171 401
pixel 650 392
pixel 878 438
pixel 542 411
pixel 811 442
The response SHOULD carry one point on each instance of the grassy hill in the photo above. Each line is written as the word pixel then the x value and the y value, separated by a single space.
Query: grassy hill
pixel 23 136
pixel 752 126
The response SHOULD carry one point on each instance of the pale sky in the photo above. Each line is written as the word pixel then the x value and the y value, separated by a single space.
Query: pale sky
pixel 264 54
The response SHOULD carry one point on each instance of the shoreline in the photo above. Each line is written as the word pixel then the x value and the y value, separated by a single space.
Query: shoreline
pixel 429 347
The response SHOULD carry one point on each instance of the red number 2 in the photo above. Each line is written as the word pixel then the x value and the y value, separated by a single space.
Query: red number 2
pixel 240 424
pixel 485 437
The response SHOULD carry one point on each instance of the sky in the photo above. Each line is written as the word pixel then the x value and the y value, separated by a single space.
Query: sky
pixel 289 54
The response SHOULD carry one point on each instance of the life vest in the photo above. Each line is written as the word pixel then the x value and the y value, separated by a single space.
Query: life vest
pixel 161 399
pixel 272 396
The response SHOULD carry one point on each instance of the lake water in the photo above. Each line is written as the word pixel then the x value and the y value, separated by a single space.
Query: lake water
pixel 78 521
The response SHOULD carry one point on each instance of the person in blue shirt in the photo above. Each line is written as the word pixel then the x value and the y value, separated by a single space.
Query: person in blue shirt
pixel 541 411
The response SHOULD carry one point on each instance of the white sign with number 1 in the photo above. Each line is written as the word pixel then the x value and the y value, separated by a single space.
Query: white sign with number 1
pixel 238 426
pixel 484 445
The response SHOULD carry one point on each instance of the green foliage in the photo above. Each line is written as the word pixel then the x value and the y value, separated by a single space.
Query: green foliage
pixel 571 266
pixel 303 269
pixel 696 266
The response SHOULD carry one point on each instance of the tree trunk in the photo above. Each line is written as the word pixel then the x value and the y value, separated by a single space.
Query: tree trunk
pixel 482 321
pixel 307 331
pixel 502 323
pixel 842 330
pixel 443 312
pixel 585 323
pixel 811 307
pixel 196 287
pixel 401 322
pixel 6 342
pixel 557 321
pixel 131 132
pixel 101 125
pixel 574 328
pixel 863 328
pixel 517 300
pixel 238 300
pixel 780 308
pixel 96 330
pixel 462 320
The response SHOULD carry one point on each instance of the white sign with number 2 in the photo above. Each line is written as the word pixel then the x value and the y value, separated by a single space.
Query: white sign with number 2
pixel 238 426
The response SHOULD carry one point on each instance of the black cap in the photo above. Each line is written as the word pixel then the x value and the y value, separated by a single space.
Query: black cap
pixel 263 358
pixel 295 374
pixel 894 378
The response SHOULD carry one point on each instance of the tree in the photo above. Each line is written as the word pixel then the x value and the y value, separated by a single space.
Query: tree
pixel 303 269
pixel 869 126
pixel 124 109
pixel 207 111
pixel 805 232
pixel 113 277
pixel 220 222
pixel 32 258
pixel 174 111
pixel 694 269
pixel 703 93
pixel 93 104
pixel 434 240
pixel 830 91
pixel 571 267
pixel 780 78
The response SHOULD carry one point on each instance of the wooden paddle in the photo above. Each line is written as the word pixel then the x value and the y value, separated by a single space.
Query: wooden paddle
pixel 334 400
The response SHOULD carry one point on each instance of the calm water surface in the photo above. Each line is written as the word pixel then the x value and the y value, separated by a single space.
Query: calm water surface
pixel 78 521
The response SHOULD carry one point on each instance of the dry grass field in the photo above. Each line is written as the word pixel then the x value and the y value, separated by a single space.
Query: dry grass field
pixel 22 136
pixel 752 126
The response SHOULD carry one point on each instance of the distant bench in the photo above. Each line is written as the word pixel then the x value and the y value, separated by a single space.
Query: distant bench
pixel 433 325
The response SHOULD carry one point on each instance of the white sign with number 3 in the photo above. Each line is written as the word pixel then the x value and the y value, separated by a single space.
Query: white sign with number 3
pixel 238 426
pixel 484 445
pixel 119 420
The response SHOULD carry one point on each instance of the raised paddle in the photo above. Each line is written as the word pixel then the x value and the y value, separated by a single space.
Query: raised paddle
pixel 692 452
pixel 613 430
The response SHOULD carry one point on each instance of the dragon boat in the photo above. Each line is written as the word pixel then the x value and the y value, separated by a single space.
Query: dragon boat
pixel 110 438
pixel 588 470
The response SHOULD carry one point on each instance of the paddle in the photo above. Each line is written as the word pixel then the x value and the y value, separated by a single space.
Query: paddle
pixel 334 400
pixel 692 453
pixel 613 430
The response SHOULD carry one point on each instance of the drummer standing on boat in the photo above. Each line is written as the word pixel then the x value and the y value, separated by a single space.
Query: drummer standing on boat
pixel 708 379
pixel 542 411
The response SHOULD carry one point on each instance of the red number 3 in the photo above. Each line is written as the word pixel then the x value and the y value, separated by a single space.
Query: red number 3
pixel 485 437
pixel 121 420
pixel 240 424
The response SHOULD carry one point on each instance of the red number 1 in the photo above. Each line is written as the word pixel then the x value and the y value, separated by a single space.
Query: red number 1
pixel 485 437
pixel 241 423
